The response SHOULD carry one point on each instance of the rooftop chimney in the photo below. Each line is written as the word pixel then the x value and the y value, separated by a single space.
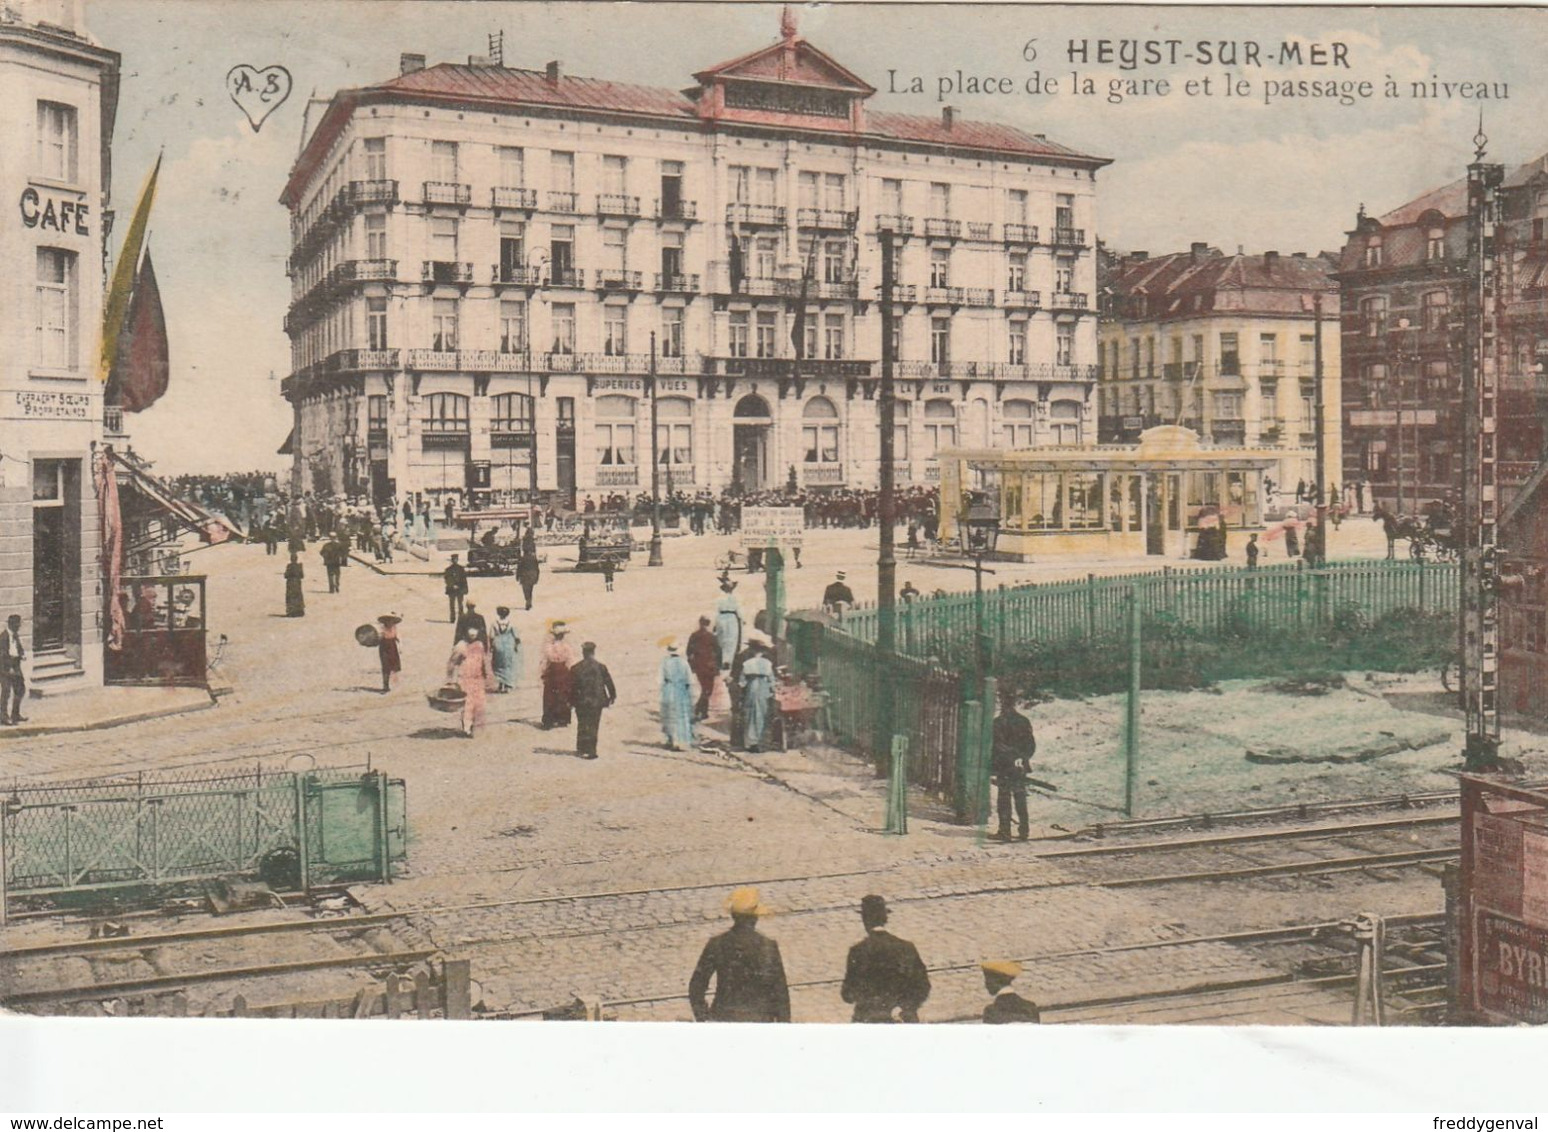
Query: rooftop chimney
pixel 948 116
pixel 552 70
pixel 408 63
pixel 1139 257
pixel 1197 251
pixel 1270 261
pixel 1298 255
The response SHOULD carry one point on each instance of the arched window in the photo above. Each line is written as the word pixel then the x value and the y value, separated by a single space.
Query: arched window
pixel 752 407
pixel 446 412
pixel 615 431
pixel 1373 313
pixel 1064 422
pixel 820 432
pixel 510 412
pixel 674 432
pixel 940 426
pixel 1018 423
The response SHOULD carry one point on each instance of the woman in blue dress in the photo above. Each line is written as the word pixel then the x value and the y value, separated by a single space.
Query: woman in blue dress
pixel 676 699
pixel 757 695
pixel 728 622
pixel 507 651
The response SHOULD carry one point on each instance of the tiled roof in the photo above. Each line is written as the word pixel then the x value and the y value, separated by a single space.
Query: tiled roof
pixel 505 85
pixel 968 134
pixel 1449 200
pixel 1237 283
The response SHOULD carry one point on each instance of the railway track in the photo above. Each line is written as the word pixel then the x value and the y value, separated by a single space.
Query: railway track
pixel 55 975
pixel 208 963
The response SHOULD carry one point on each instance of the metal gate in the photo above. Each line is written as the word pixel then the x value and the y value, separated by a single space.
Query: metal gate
pixel 142 832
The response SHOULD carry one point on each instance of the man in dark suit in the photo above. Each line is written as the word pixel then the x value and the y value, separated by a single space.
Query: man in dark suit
pixel 1014 746
pixel 704 659
pixel 591 691
pixel 884 973
pixel 456 578
pixel 838 596
pixel 13 683
pixel 748 971
pixel 333 559
pixel 1007 1005
pixel 471 618
pixel 527 571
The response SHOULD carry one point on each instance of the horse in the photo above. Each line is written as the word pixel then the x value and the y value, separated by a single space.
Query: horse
pixel 1399 527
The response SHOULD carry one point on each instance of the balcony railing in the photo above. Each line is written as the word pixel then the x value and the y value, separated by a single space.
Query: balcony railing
pixel 764 215
pixel 367 270
pixel 1069 237
pixel 978 231
pixel 561 361
pixel 978 296
pixel 677 283
pixel 617 279
pixel 943 229
pixel 945 296
pixel 822 473
pixel 826 219
pixel 357 193
pixel 448 192
pixel 617 204
pixel 521 276
pixel 895 222
pixel 1230 430
pixel 1044 371
pixel 618 477
pixel 677 210
pixel 903 294
pixel 1069 301
pixel 446 271
pixel 494 361
pixel 568 277
pixel 560 201
pixel 360 361
pixel 772 368
pixel 845 290
pixel 435 360
pixel 525 199
pixel 1271 367
pixel 1021 234
pixel 1028 300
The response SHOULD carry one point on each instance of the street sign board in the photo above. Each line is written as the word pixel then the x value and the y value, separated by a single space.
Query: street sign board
pixel 772 526
pixel 1502 905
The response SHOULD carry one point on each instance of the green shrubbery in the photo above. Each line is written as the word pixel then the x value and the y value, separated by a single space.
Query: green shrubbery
pixel 1179 656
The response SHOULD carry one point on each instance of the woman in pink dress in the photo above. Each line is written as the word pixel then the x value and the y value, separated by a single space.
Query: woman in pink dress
pixel 469 668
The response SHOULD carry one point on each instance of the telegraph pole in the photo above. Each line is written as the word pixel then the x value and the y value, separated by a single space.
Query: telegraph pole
pixel 1478 630
pixel 886 559
pixel 1319 407
pixel 655 466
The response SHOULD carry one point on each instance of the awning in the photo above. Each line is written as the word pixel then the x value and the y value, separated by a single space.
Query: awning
pixel 191 517
pixel 289 447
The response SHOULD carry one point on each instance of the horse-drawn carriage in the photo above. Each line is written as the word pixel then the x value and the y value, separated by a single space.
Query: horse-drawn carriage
pixel 1432 534
pixel 604 540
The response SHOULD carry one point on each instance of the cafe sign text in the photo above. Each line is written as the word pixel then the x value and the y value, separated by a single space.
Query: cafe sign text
pixel 55 214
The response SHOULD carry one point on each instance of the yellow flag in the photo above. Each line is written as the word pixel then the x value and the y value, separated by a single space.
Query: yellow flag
pixel 117 308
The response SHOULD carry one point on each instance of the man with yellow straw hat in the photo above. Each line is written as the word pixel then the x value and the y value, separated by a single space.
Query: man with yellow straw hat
pixel 748 972
pixel 1007 1005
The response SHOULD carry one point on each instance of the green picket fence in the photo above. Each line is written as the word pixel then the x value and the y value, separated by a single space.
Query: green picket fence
pixel 1280 598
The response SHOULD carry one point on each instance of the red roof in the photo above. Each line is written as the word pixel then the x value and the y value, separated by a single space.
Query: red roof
pixel 461 84
pixel 1448 200
pixel 1238 283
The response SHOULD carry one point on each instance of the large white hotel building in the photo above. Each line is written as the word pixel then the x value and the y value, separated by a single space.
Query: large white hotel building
pixel 484 256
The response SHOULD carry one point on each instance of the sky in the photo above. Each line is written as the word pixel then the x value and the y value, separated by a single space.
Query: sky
pixel 1231 170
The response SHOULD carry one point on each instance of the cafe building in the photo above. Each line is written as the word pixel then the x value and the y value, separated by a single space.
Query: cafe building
pixel 58 98
pixel 1153 497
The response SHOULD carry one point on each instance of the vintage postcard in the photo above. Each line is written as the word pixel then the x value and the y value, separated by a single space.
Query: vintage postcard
pixel 735 512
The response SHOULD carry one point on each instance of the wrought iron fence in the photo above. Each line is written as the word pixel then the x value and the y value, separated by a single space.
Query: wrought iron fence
pixel 1271 599
pixel 315 827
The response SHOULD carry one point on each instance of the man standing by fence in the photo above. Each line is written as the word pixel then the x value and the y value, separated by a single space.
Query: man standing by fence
pixel 1014 746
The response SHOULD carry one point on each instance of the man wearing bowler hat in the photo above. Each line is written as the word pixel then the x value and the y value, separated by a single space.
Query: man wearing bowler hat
pixel 885 979
pixel 748 972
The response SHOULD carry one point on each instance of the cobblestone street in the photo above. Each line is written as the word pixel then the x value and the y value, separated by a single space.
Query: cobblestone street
pixel 563 878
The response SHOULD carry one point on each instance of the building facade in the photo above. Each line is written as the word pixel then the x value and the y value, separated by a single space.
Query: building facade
pixel 58 97
pixel 495 269
pixel 1403 280
pixel 1226 346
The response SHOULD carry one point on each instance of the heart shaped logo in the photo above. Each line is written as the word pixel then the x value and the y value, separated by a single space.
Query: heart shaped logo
pixel 258 92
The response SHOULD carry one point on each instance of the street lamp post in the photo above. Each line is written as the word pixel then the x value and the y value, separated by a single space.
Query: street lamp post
pixel 983 533
pixel 655 466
